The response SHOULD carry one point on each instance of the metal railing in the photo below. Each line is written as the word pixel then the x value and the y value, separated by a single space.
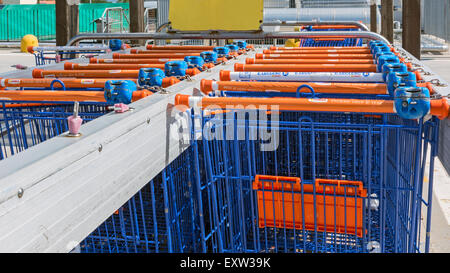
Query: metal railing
pixel 114 19
pixel 226 35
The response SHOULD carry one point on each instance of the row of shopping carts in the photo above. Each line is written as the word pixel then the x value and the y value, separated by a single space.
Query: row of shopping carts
pixel 318 148
pixel 55 54
pixel 336 41
pixel 36 109
pixel 350 130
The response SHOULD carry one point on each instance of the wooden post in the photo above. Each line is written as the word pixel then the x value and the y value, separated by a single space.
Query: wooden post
pixel 411 27
pixel 373 16
pixel 137 19
pixel 292 4
pixel 67 20
pixel 387 19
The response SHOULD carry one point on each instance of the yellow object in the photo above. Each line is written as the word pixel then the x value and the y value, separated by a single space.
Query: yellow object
pixel 28 40
pixel 197 15
pixel 296 29
pixel 292 43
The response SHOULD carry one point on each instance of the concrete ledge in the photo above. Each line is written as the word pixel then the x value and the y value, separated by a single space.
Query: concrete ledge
pixel 440 215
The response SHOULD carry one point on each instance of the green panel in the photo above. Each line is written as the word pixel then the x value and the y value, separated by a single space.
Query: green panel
pixel 90 12
pixel 39 20
pixel 3 25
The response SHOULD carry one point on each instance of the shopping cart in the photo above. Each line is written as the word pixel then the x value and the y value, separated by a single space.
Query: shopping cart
pixel 332 185
pixel 161 217
pixel 337 41
pixel 332 181
pixel 27 123
pixel 47 55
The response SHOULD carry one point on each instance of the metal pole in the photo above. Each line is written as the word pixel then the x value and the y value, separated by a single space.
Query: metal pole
pixel 305 23
pixel 227 35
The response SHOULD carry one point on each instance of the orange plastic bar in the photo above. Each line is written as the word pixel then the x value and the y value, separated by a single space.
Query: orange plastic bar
pixel 305 67
pixel 110 74
pixel 439 108
pixel 175 47
pixel 39 73
pixel 15 105
pixel 192 71
pixel 308 61
pixel 317 51
pixel 426 84
pixel 207 86
pixel 291 104
pixel 141 51
pixel 153 56
pixel 39 95
pixel 70 83
pixel 131 61
pixel 78 83
pixel 77 66
pixel 45 83
pixel 313 56
pixel 317 48
pixel 208 65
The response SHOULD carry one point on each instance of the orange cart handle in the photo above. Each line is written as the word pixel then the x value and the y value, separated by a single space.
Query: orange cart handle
pixel 308 61
pixel 317 48
pixel 313 56
pixel 207 86
pixel 77 66
pixel 439 108
pixel 291 104
pixel 39 95
pixel 140 51
pixel 175 47
pixel 153 56
pixel 316 51
pixel 39 73
pixel 132 61
pixel 46 83
pixel 82 96
pixel 238 67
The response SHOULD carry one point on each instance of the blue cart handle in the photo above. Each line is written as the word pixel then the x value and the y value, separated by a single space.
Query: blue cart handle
pixel 313 94
pixel 57 81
